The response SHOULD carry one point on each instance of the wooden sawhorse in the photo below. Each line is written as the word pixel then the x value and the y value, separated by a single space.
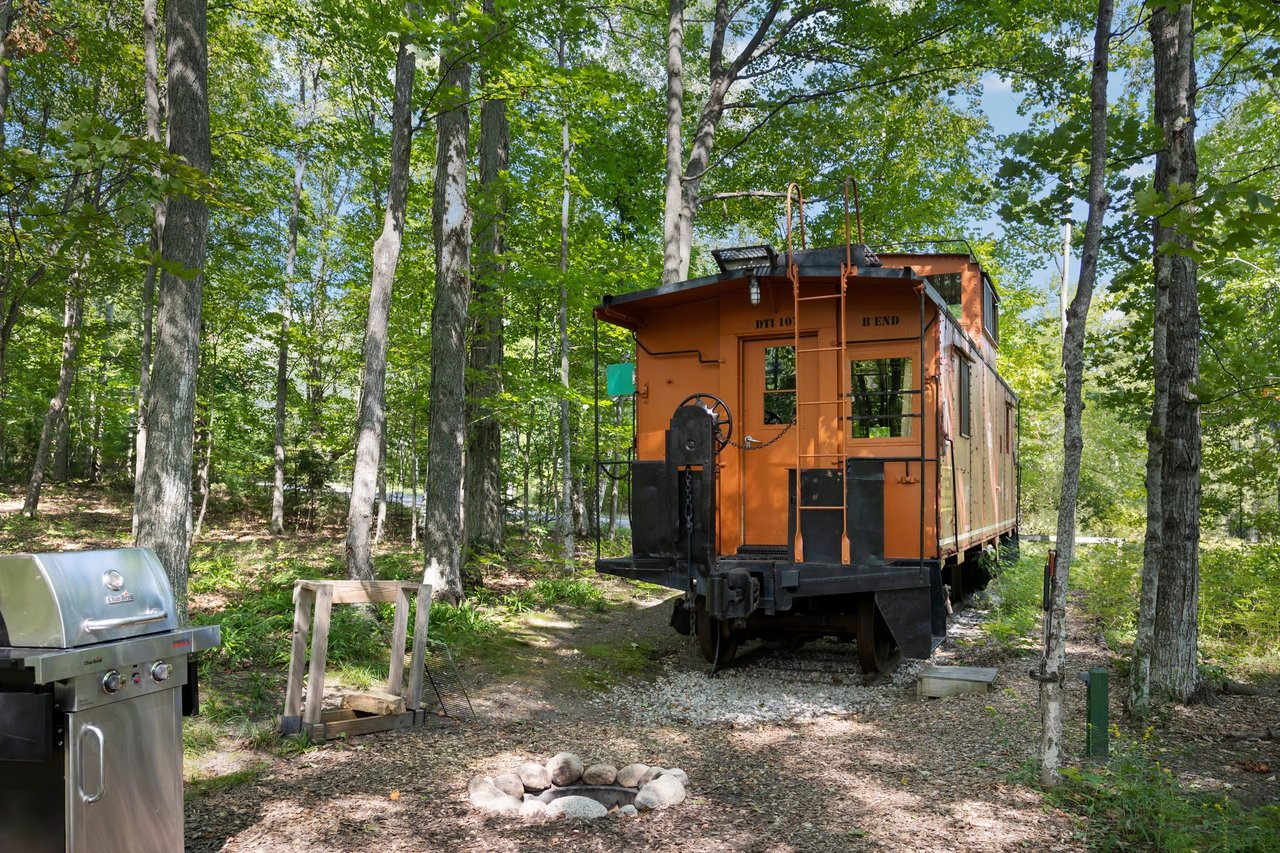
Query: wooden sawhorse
pixel 322 595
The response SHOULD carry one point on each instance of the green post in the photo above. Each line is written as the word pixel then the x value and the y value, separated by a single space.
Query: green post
pixel 1097 723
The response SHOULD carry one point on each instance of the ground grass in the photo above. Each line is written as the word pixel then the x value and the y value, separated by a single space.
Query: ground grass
pixel 605 664
pixel 202 787
pixel 1134 802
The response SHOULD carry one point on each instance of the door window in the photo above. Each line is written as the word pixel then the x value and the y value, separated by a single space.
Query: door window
pixel 880 392
pixel 779 385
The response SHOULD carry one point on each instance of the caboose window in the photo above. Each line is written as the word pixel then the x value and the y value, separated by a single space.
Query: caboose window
pixel 965 395
pixel 881 390
pixel 779 385
pixel 990 310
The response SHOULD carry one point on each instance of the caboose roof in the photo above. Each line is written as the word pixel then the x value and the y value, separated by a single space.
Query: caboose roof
pixel 813 263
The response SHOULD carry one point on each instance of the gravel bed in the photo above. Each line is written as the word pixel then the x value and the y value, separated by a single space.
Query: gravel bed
pixel 805 685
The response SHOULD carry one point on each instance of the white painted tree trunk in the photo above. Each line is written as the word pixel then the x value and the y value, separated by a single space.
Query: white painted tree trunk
pixel 1050 751
pixel 447 429
pixel 386 255
pixel 164 511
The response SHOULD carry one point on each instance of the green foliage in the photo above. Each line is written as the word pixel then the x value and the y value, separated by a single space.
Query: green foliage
pixel 1239 608
pixel 1014 596
pixel 1134 801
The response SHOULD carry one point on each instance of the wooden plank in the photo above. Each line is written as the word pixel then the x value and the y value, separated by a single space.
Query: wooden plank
pixel 302 600
pixel 360 592
pixel 939 681
pixel 373 702
pixel 334 715
pixel 420 624
pixel 363 725
pixel 395 673
pixel 319 654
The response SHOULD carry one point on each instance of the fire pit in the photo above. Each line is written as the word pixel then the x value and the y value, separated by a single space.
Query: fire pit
pixel 563 787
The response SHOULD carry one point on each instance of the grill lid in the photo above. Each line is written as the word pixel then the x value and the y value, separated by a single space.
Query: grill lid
pixel 79 598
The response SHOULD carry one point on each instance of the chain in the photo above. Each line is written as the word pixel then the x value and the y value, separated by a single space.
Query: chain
pixel 688 530
pixel 763 445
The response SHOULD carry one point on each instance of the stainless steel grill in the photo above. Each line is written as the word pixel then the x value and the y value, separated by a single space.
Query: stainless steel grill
pixel 95 676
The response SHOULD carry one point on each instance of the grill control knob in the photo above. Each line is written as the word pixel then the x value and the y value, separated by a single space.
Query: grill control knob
pixel 160 671
pixel 111 682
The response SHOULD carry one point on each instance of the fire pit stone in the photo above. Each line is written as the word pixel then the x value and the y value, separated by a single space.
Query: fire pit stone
pixel 597 791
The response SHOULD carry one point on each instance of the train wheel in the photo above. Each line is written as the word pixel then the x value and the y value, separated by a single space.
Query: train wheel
pixel 713 632
pixel 874 640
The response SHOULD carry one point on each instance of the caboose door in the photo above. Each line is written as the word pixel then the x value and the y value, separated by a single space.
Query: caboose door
pixel 769 397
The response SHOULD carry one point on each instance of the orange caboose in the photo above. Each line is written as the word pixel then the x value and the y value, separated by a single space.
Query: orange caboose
pixel 823 445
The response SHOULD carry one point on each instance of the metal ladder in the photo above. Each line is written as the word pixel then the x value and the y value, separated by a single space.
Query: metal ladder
pixel 840 453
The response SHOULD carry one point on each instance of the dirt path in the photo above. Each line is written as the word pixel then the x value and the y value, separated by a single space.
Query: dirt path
pixel 922 775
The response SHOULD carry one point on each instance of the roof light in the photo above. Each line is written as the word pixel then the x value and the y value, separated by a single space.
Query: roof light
pixel 745 257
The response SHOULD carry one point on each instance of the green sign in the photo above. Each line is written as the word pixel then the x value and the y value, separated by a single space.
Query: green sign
pixel 620 379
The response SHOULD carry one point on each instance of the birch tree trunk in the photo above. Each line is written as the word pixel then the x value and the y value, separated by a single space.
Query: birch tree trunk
pixel 386 255
pixel 1173 667
pixel 566 445
pixel 1073 404
pixel 446 427
pixel 286 310
pixel 671 270
pixel 484 439
pixel 72 314
pixel 164 522
pixel 152 100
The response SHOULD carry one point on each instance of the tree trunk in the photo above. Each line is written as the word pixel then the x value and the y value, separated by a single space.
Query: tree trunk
pixel 206 464
pixel 1139 698
pixel 152 95
pixel 286 310
pixel 73 312
pixel 484 437
pixel 8 11
pixel 671 270
pixel 381 519
pixel 386 255
pixel 1173 667
pixel 165 506
pixel 566 455
pixel 446 428
pixel 62 439
pixel 1073 404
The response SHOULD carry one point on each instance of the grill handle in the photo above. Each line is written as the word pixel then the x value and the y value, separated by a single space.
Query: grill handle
pixel 125 621
pixel 102 769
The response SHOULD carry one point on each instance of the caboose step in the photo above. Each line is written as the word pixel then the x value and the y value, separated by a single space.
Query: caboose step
pixel 938 681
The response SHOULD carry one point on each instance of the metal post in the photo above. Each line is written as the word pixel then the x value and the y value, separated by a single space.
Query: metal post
pixel 1097 738
pixel 595 498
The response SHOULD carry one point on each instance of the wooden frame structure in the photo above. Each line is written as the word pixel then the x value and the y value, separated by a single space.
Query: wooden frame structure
pixel 318 597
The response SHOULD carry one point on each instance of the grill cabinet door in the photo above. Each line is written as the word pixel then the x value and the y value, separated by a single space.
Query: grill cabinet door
pixel 124 776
